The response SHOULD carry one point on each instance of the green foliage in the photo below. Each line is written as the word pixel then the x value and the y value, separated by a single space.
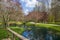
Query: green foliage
pixel 14 23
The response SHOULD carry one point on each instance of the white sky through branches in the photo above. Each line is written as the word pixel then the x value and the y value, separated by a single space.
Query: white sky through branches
pixel 28 5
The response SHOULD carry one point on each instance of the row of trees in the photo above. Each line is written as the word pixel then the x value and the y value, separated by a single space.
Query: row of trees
pixel 54 12
pixel 10 11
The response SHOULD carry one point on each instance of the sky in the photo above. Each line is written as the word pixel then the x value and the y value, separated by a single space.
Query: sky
pixel 28 5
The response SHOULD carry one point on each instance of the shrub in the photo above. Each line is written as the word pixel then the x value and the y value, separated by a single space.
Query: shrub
pixel 12 23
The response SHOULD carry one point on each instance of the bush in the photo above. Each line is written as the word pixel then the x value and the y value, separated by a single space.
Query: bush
pixel 12 23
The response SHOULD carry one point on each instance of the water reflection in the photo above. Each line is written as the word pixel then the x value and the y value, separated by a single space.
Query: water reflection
pixel 40 34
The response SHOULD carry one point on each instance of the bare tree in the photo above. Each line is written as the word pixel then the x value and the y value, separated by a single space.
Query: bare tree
pixel 54 11
pixel 10 11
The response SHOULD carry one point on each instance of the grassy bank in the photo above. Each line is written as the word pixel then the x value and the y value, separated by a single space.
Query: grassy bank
pixel 3 33
pixel 18 29
pixel 53 27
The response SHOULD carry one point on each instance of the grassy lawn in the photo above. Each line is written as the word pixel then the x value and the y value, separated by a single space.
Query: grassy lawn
pixel 18 29
pixel 3 33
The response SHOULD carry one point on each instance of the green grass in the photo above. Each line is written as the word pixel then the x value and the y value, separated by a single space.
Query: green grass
pixel 51 26
pixel 3 33
pixel 18 29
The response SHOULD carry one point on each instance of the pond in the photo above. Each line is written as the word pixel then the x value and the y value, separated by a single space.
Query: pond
pixel 40 34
